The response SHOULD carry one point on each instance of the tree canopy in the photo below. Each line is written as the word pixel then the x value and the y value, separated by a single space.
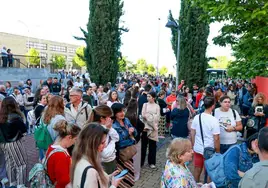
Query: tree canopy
pixel 79 59
pixel 219 62
pixel 103 40
pixel 193 43
pixel 33 56
pixel 58 61
pixel 245 29
pixel 163 70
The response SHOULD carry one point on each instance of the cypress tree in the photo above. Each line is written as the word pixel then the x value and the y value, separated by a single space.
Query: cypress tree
pixel 103 40
pixel 193 44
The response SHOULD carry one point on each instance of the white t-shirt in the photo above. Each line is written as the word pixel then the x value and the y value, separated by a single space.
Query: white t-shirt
pixel 227 119
pixel 210 127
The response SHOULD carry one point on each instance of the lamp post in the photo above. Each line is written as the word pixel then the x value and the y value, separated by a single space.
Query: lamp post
pixel 23 23
pixel 158 43
pixel 172 24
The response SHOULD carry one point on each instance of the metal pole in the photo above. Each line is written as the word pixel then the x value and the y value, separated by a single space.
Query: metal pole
pixel 158 44
pixel 178 58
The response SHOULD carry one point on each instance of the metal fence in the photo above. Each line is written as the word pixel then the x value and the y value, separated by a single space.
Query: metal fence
pixel 24 61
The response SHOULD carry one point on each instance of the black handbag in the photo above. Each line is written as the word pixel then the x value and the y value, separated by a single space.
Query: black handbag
pixel 208 151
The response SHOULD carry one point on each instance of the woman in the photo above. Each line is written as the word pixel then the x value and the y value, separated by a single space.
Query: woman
pixel 180 117
pixel 132 115
pixel 67 94
pixel 9 89
pixel 28 83
pixel 12 125
pixel 188 96
pixel 163 110
pixel 40 107
pixel 231 93
pixel 230 123
pixel 28 99
pixel 58 164
pixel 87 150
pixel 240 159
pixel 113 98
pixel 127 134
pixel 259 110
pixel 53 113
pixel 151 116
pixel 102 114
pixel 176 173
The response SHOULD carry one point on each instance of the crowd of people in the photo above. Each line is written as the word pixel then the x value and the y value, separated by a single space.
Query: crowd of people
pixel 88 133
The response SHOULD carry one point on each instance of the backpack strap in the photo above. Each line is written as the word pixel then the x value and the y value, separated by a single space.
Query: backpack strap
pixel 201 129
pixel 50 154
pixel 84 175
pixel 85 110
pixel 234 114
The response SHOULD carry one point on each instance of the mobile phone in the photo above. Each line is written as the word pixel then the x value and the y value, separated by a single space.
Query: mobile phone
pixel 121 174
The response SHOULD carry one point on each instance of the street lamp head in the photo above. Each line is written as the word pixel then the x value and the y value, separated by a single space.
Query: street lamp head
pixel 172 24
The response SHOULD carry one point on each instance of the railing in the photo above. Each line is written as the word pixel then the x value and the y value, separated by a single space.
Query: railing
pixel 24 61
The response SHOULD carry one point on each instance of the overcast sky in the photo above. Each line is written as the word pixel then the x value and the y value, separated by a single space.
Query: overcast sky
pixel 59 20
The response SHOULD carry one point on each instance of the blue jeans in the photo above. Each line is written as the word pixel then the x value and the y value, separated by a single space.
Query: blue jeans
pixel 225 147
pixel 42 153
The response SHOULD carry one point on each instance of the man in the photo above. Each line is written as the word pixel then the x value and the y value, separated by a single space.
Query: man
pixel 18 97
pixel 48 83
pixel 240 94
pixel 102 96
pixel 169 100
pixel 56 86
pixel 94 93
pixel 89 97
pixel 3 91
pixel 121 92
pixel 257 175
pixel 4 55
pixel 76 111
pixel 78 83
pixel 211 134
pixel 194 93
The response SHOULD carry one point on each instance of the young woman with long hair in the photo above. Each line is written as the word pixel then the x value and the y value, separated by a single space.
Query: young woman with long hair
pixel 58 164
pixel 151 117
pixel 53 113
pixel 12 126
pixel 163 110
pixel 87 151
pixel 113 98
pixel 102 114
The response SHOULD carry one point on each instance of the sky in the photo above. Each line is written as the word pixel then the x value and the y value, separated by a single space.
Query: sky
pixel 60 20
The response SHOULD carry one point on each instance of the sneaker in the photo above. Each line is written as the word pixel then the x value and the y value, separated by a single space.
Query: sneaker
pixel 152 166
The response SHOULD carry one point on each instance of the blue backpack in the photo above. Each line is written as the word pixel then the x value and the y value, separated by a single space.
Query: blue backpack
pixel 215 167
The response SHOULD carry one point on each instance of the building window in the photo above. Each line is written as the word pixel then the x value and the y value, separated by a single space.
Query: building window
pixel 70 58
pixel 71 50
pixel 42 54
pixel 36 45
pixel 58 48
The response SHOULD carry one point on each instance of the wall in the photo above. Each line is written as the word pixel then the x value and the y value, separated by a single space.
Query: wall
pixel 262 84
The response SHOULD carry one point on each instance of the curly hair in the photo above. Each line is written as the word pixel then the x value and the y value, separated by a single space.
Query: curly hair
pixel 55 107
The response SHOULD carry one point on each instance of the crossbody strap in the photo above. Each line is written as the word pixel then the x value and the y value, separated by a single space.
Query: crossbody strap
pixel 84 176
pixel 201 129
pixel 50 154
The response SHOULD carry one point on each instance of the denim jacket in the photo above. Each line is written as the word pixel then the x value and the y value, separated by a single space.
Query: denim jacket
pixel 237 159
pixel 124 138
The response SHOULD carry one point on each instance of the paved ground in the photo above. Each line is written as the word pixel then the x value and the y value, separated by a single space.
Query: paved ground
pixel 150 178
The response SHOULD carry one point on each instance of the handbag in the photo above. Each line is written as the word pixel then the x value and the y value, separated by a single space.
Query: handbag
pixel 208 151
pixel 127 153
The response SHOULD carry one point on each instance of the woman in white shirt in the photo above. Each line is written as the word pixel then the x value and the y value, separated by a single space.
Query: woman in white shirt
pixel 102 114
pixel 86 159
pixel 113 98
pixel 230 123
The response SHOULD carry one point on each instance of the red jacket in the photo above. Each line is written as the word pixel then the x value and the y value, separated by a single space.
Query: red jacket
pixel 198 98
pixel 58 167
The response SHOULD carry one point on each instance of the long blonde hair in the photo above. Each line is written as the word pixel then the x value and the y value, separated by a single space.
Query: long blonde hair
pixel 259 95
pixel 87 145
pixel 55 107
pixel 181 103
